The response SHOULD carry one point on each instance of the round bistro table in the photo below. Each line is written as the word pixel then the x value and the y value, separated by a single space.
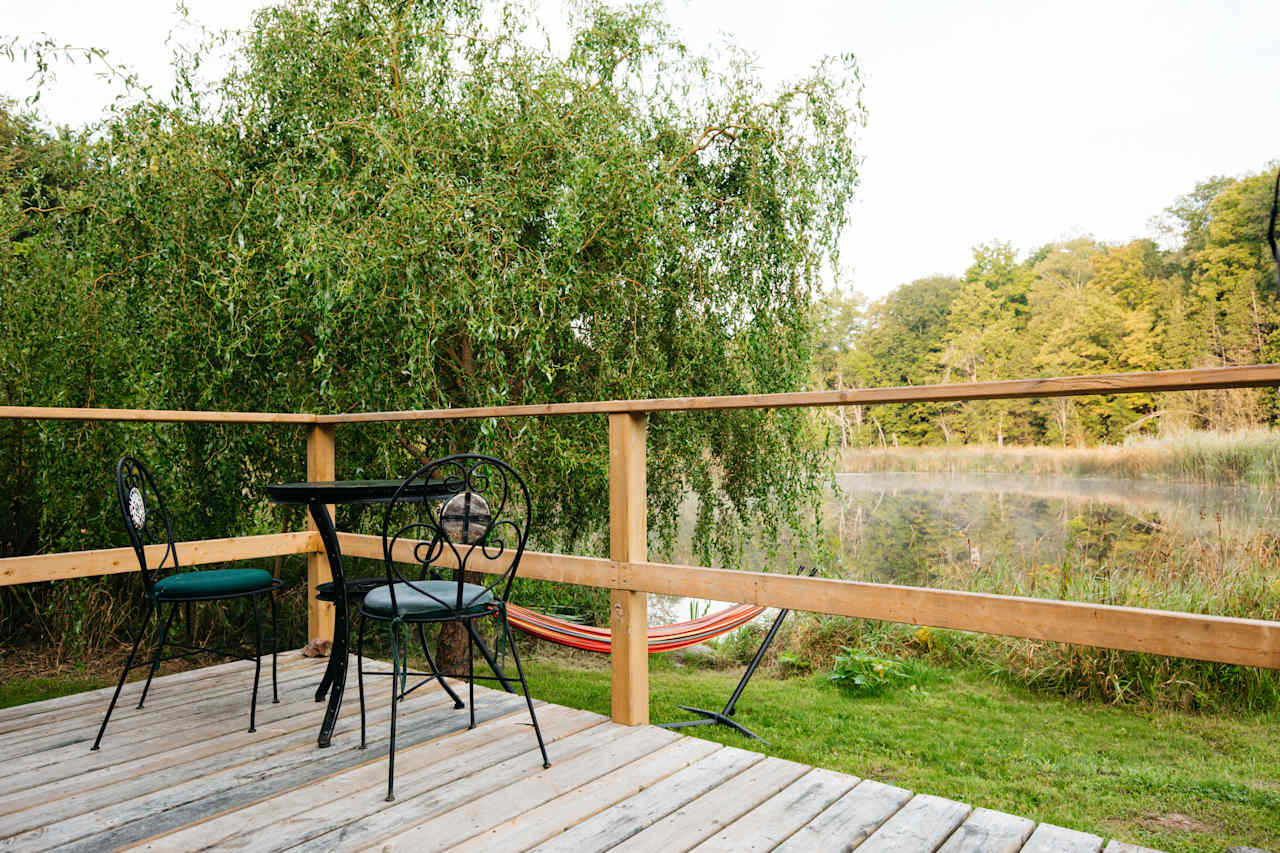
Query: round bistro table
pixel 317 496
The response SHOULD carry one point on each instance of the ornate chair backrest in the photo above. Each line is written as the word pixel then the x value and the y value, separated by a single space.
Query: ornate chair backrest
pixel 145 517
pixel 468 513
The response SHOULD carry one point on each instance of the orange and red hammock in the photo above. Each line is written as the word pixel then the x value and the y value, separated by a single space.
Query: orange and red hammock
pixel 662 638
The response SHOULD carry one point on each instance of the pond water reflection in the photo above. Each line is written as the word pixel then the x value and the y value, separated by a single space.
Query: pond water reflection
pixel 897 527
pixel 1010 532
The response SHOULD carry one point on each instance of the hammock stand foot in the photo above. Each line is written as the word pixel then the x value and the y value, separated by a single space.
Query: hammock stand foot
pixel 712 718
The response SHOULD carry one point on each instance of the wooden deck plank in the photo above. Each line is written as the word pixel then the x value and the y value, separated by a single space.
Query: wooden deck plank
pixel 537 825
pixel 1048 838
pixel 296 706
pixel 297 715
pixel 41 723
pixel 372 823
pixel 474 817
pixel 619 822
pixel 278 816
pixel 197 798
pixel 921 826
pixel 216 702
pixel 850 820
pixel 103 694
pixel 987 831
pixel 165 729
pixel 767 825
pixel 83 800
pixel 708 814
pixel 184 785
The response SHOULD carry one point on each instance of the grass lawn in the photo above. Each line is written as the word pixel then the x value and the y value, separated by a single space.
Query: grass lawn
pixel 1175 781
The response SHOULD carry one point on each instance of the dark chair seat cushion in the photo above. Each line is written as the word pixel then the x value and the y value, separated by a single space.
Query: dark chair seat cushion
pixel 215 582
pixel 356 589
pixel 411 602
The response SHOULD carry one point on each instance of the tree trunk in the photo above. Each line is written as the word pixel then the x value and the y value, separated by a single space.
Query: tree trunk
pixel 451 645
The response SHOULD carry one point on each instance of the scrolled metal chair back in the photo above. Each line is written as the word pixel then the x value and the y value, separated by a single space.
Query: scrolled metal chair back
pixel 145 518
pixel 465 513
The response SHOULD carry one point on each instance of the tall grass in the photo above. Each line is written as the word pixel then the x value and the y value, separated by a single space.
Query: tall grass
pixel 1244 457
pixel 1172 570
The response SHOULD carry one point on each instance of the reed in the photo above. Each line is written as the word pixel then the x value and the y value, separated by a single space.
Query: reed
pixel 1242 457
pixel 1172 570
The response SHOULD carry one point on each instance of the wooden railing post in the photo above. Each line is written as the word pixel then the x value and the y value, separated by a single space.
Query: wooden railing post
pixel 628 610
pixel 320 466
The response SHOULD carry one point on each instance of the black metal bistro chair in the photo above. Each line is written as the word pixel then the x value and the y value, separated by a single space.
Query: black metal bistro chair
pixel 481 527
pixel 166 586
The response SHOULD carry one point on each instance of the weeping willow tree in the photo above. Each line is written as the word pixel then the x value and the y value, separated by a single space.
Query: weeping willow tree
pixel 389 205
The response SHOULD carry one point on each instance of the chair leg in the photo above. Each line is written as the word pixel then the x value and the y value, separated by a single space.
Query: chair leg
pixel 275 647
pixel 395 692
pixel 506 630
pixel 489 658
pixel 155 663
pixel 257 662
pixel 360 675
pixel 471 679
pixel 422 637
pixel 128 664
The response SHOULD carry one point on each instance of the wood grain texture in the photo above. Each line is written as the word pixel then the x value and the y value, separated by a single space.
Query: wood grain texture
pixel 615 824
pixel 767 825
pixel 1261 375
pixel 1249 376
pixel 987 831
pixel 921 826
pixel 474 817
pixel 848 821
pixel 716 809
pixel 293 817
pixel 1048 838
pixel 628 538
pixel 419 801
pixel 1250 642
pixel 110 561
pixel 544 822
pixel 63 413
pixel 321 467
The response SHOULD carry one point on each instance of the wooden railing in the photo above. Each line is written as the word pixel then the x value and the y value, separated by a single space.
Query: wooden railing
pixel 630 577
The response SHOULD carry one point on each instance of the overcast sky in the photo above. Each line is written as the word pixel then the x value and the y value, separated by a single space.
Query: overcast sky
pixel 1010 120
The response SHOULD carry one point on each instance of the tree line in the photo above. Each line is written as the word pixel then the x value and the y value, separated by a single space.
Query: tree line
pixel 1203 295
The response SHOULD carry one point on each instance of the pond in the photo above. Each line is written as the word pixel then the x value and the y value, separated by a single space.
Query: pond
pixel 1030 535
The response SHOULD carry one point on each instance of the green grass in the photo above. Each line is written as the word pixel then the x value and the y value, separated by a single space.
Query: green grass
pixel 1172 780
pixel 24 690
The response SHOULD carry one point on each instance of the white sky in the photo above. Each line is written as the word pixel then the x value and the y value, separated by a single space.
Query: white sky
pixel 1006 119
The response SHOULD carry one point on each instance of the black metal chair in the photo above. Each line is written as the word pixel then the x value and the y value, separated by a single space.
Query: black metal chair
pixel 147 521
pixel 482 527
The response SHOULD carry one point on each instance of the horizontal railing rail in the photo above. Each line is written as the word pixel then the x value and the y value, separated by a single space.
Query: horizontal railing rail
pixel 630 576
pixel 111 561
pixel 1196 379
pixel 1225 639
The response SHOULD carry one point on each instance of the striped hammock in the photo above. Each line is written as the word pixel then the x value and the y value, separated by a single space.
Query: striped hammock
pixel 662 638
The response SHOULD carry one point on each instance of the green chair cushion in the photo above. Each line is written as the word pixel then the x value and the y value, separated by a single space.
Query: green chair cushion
pixel 214 582
pixel 411 602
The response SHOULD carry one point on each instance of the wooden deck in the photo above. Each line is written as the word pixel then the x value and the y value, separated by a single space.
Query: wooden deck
pixel 184 774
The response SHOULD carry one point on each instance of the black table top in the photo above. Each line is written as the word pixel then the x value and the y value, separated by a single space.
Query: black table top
pixel 354 491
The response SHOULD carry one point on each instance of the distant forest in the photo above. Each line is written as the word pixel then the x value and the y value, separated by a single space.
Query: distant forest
pixel 1204 295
